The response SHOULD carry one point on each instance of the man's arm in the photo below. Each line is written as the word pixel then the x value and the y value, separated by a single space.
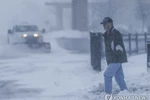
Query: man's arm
pixel 118 43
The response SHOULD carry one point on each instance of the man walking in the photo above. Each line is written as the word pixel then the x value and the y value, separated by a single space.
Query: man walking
pixel 115 56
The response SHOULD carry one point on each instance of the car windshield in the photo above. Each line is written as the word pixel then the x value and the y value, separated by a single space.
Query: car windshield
pixel 26 28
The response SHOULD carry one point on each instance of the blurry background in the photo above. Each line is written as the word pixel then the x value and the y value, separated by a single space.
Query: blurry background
pixel 65 18
pixel 132 15
pixel 66 72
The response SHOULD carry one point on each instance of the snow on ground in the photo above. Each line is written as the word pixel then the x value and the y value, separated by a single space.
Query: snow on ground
pixel 61 75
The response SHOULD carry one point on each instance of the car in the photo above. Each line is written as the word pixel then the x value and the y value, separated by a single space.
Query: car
pixel 29 35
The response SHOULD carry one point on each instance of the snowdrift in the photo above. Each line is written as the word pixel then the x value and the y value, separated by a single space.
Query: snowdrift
pixel 73 41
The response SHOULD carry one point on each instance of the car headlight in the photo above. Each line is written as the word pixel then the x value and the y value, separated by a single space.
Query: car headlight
pixel 25 35
pixel 36 35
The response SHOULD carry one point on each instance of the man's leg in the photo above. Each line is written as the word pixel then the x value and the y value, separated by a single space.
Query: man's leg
pixel 109 73
pixel 119 77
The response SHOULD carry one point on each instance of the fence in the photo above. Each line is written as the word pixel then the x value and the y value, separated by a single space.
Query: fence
pixel 136 43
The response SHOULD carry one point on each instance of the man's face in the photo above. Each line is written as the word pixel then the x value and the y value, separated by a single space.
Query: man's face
pixel 107 26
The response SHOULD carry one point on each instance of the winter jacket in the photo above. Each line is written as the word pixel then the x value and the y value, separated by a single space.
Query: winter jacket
pixel 114 47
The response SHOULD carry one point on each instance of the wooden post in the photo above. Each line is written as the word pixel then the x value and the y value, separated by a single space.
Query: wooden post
pixel 129 44
pixel 137 48
pixel 96 48
pixel 145 42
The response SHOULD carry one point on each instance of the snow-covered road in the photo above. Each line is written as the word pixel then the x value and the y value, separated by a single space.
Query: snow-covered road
pixel 44 75
pixel 61 76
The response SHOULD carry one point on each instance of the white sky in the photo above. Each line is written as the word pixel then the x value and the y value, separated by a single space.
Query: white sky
pixel 16 11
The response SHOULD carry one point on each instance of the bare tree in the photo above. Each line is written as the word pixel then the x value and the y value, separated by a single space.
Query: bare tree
pixel 143 12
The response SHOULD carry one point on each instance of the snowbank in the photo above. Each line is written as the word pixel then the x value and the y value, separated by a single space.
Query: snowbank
pixel 136 76
pixel 69 34
pixel 74 41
